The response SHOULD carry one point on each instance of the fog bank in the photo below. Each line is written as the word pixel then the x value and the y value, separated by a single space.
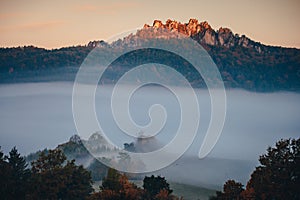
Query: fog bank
pixel 34 116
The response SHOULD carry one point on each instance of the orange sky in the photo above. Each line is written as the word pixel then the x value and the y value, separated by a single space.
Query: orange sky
pixel 55 23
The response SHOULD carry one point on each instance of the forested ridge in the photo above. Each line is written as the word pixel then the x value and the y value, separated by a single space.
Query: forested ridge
pixel 242 63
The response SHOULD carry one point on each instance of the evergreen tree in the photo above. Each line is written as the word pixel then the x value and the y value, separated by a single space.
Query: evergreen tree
pixel 278 177
pixel 52 179
pixel 153 185
pixel 14 175
pixel 5 177
pixel 231 190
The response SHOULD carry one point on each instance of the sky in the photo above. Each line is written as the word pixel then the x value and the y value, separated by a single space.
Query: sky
pixel 56 23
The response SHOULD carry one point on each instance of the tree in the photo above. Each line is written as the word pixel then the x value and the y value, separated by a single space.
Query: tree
pixel 164 195
pixel 129 190
pixel 14 175
pixel 278 177
pixel 20 174
pixel 52 160
pixel 116 186
pixel 77 182
pixel 111 181
pixel 5 174
pixel 153 185
pixel 51 179
pixel 231 190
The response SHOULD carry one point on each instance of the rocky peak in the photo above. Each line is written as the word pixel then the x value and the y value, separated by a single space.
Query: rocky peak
pixel 75 139
pixel 157 24
pixel 193 22
pixel 96 137
pixel 171 24
pixel 202 32
pixel 224 30
pixel 205 25
pixel 97 43
pixel 205 34
pixel 146 26
pixel 193 27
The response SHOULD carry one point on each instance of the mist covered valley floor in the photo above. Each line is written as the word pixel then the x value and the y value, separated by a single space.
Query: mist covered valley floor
pixel 38 115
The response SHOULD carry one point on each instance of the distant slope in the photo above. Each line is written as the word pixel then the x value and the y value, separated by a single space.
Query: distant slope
pixel 74 149
pixel 243 63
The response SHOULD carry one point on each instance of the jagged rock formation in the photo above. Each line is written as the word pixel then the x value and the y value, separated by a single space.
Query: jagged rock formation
pixel 205 34
pixel 98 144
pixel 97 43
pixel 75 139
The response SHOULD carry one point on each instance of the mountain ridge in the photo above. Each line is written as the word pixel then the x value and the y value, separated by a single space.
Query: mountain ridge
pixel 242 62
pixel 205 34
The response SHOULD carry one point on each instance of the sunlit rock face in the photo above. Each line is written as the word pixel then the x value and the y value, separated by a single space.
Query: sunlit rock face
pixel 157 24
pixel 205 34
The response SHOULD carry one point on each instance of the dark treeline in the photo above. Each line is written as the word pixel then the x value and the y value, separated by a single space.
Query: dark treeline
pixel 52 176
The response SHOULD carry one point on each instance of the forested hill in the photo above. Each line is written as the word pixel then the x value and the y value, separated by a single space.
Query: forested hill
pixel 243 63
pixel 75 149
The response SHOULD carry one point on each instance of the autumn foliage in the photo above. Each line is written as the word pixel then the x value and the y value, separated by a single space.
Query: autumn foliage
pixel 277 177
pixel 117 186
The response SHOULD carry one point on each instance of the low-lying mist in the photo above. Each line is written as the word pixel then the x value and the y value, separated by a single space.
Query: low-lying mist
pixel 34 116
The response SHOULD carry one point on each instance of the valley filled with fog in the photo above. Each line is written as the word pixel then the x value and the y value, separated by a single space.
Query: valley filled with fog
pixel 34 116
